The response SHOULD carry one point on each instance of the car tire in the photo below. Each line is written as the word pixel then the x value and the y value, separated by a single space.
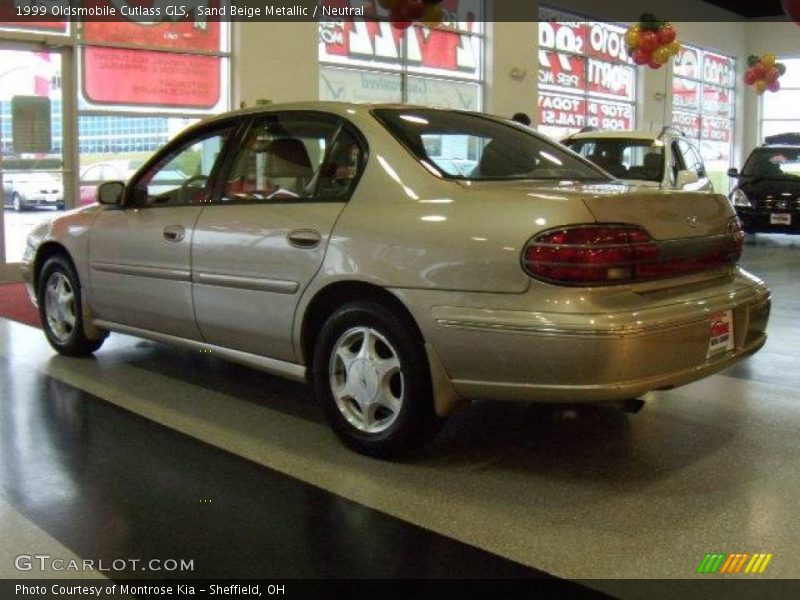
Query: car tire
pixel 16 202
pixel 372 377
pixel 60 206
pixel 61 309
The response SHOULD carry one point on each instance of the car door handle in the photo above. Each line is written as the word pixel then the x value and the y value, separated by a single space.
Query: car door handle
pixel 174 233
pixel 304 238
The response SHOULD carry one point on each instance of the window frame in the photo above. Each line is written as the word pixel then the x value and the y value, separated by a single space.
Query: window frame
pixel 253 121
pixel 133 192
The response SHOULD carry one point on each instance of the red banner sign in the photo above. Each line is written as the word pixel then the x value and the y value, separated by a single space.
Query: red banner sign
pixel 562 111
pixel 181 35
pixel 717 130
pixel 689 124
pixel 587 57
pixel 609 115
pixel 718 69
pixel 717 101
pixel 556 110
pixel 685 94
pixel 150 78
pixel 687 63
pixel 448 47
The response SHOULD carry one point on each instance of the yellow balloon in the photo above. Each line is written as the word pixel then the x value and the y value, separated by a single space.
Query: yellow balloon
pixel 768 60
pixel 661 55
pixel 674 47
pixel 761 86
pixel 632 36
pixel 432 17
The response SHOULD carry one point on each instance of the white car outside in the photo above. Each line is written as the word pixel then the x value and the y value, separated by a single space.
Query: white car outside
pixel 666 160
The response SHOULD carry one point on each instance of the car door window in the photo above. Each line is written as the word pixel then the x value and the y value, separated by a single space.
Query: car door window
pixel 294 158
pixel 184 175
pixel 691 159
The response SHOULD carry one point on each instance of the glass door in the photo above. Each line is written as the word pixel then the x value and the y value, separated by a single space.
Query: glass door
pixel 32 168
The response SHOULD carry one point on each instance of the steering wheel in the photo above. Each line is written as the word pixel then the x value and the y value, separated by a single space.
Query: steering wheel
pixel 188 187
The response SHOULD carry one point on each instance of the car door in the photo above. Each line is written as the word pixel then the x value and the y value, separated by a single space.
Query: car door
pixel 262 239
pixel 694 163
pixel 140 253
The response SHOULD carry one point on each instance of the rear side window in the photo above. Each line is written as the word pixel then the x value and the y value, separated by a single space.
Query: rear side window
pixel 470 146
pixel 624 158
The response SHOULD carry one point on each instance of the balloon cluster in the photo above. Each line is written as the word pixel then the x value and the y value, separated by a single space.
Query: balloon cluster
pixel 403 13
pixel 763 73
pixel 652 42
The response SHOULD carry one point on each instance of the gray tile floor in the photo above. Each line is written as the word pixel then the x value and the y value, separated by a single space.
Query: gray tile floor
pixel 586 492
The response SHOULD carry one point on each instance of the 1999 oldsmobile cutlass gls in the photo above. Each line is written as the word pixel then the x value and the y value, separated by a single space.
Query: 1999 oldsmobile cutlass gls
pixel 404 260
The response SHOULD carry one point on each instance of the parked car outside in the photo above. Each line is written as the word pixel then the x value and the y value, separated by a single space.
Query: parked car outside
pixel 667 159
pixel 118 170
pixel 767 193
pixel 23 190
pixel 321 242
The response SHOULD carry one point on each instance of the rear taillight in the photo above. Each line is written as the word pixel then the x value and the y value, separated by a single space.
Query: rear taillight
pixel 612 254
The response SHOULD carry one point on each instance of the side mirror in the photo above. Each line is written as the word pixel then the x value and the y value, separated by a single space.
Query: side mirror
pixel 111 193
pixel 685 178
pixel 733 172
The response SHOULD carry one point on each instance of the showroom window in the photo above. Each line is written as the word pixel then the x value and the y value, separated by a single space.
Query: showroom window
pixel 586 77
pixel 703 100
pixel 138 84
pixel 779 112
pixel 362 61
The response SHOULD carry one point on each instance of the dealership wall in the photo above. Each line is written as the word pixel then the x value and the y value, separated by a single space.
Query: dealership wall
pixel 279 62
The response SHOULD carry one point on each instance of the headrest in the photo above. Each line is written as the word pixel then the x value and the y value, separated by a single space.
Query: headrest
pixel 653 161
pixel 288 157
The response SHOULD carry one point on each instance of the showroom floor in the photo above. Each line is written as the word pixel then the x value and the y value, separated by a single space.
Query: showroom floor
pixel 94 463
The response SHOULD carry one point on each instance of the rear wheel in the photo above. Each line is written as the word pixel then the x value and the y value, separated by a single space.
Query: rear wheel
pixel 61 309
pixel 371 375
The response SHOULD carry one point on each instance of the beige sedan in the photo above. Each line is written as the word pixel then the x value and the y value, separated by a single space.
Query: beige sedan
pixel 404 260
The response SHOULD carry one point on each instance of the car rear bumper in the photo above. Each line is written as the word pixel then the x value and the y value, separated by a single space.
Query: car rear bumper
pixel 502 354
pixel 761 221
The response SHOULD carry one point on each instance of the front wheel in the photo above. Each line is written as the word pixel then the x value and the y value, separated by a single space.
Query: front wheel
pixel 372 378
pixel 16 200
pixel 60 309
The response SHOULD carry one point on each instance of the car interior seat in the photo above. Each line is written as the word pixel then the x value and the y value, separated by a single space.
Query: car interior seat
pixel 288 167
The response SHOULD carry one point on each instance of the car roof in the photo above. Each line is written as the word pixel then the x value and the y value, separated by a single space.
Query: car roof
pixel 339 108
pixel 635 135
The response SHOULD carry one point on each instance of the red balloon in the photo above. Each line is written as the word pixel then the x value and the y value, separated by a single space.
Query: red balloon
pixel 774 86
pixel 648 41
pixel 640 57
pixel 759 70
pixel 654 65
pixel 412 9
pixel 749 77
pixel 666 34
pixel 399 21
pixel 792 8
pixel 772 74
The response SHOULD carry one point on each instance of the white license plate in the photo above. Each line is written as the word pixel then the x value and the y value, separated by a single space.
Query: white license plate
pixel 780 219
pixel 721 335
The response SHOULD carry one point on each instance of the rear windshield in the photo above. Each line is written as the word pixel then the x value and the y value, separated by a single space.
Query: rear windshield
pixel 469 146
pixel 773 163
pixel 624 158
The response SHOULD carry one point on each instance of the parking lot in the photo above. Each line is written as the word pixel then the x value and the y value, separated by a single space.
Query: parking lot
pixel 18 225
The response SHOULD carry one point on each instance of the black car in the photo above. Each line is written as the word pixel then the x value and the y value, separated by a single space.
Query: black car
pixel 767 195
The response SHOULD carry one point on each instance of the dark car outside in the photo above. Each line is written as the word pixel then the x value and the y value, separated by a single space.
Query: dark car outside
pixel 767 195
